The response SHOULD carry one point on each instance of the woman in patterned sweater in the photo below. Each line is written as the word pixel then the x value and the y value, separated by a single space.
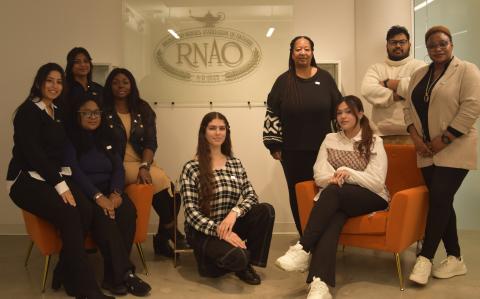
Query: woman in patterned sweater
pixel 227 227
pixel 351 168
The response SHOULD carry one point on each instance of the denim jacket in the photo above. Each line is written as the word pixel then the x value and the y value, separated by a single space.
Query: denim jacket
pixel 143 132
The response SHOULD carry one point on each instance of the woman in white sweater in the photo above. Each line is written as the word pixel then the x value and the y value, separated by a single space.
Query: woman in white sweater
pixel 350 170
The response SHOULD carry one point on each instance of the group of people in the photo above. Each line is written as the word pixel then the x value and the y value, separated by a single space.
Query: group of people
pixel 78 144
pixel 434 107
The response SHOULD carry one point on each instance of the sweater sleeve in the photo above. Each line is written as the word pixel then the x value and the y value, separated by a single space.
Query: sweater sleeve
pixel 249 196
pixel 322 169
pixel 27 126
pixel 374 175
pixel 373 92
pixel 117 182
pixel 272 125
pixel 189 191
pixel 77 173
pixel 469 100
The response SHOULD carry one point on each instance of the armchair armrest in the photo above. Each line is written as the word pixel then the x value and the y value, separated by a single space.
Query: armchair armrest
pixel 305 192
pixel 407 218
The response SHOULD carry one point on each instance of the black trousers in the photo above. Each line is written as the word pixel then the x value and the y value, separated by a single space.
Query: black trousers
pixel 298 167
pixel 163 205
pixel 41 199
pixel 442 184
pixel 217 257
pixel 329 214
pixel 114 238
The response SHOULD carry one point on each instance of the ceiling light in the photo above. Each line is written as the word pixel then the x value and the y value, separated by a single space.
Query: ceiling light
pixel 173 33
pixel 270 31
pixel 423 4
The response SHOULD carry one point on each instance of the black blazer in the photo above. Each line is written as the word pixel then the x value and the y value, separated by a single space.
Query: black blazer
pixel 143 132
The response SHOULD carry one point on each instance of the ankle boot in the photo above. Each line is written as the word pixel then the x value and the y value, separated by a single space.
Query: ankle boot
pixel 161 246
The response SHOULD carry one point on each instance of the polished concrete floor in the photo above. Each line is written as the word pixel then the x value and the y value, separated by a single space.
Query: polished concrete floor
pixel 360 274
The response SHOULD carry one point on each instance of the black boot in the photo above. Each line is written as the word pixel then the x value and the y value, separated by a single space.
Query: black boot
pixel 169 233
pixel 162 247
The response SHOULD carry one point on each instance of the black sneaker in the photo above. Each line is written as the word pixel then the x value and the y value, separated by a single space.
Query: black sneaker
pixel 136 286
pixel 119 289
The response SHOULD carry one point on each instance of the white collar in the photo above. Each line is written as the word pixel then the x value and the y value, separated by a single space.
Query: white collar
pixel 357 137
pixel 42 105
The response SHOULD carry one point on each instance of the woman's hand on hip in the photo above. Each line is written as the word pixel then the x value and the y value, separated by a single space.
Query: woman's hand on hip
pixel 277 155
pixel 68 198
pixel 225 227
pixel 144 176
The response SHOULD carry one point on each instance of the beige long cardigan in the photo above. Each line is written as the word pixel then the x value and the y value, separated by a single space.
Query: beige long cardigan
pixel 455 102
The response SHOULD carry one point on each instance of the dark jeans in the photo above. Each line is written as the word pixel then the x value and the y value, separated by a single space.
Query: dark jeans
pixel 114 238
pixel 298 167
pixel 329 214
pixel 41 199
pixel 217 257
pixel 442 184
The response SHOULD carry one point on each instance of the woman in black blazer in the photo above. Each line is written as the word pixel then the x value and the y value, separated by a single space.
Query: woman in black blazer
pixel 39 182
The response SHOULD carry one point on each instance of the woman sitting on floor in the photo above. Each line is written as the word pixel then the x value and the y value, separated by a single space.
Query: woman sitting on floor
pixel 227 234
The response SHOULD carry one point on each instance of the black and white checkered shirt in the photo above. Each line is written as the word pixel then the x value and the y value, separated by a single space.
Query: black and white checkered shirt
pixel 231 183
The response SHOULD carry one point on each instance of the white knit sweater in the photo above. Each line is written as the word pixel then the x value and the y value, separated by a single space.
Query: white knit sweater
pixel 387 114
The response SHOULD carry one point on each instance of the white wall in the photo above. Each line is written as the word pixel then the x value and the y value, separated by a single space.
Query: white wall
pixel 352 31
pixel 36 32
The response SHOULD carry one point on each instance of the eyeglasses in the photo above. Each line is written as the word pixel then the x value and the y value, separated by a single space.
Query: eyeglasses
pixel 401 42
pixel 441 44
pixel 91 114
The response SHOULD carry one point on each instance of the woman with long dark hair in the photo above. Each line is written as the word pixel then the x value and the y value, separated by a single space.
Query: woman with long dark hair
pixel 39 180
pixel 440 113
pixel 132 122
pixel 351 169
pixel 299 114
pixel 98 170
pixel 79 83
pixel 227 234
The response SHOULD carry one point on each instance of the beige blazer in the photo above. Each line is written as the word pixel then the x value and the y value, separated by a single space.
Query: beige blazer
pixel 455 102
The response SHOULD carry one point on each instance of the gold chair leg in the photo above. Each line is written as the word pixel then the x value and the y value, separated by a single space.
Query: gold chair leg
pixel 142 257
pixel 29 252
pixel 399 271
pixel 45 272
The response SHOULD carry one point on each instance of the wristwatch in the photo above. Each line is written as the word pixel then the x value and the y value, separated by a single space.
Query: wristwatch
pixel 237 211
pixel 446 139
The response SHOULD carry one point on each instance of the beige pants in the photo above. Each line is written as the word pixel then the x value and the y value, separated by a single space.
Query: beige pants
pixel 160 179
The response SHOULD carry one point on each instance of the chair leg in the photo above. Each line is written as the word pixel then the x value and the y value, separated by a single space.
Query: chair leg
pixel 399 271
pixel 29 252
pixel 142 257
pixel 45 272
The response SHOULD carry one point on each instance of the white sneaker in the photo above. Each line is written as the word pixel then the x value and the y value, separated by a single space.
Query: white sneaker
pixel 295 259
pixel 450 267
pixel 421 271
pixel 318 290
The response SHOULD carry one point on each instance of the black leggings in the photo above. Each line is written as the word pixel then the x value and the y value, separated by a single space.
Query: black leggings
pixel 297 167
pixel 216 257
pixel 329 214
pixel 41 199
pixel 442 183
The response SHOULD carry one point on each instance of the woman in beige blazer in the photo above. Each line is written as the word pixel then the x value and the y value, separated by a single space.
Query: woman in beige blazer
pixel 440 113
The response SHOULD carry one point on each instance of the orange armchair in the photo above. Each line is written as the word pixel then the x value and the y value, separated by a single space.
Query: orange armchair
pixel 393 230
pixel 46 237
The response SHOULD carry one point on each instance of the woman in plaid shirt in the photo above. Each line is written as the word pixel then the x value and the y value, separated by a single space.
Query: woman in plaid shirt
pixel 227 227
